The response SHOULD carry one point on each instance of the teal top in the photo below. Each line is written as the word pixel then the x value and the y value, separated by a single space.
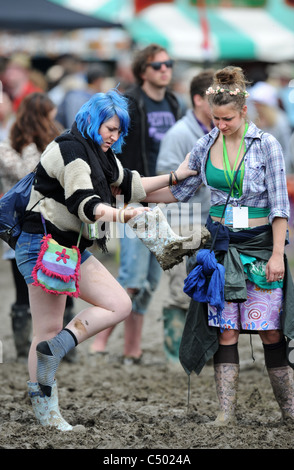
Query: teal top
pixel 216 178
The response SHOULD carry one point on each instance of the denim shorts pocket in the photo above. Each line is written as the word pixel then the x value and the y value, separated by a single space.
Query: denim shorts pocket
pixel 26 253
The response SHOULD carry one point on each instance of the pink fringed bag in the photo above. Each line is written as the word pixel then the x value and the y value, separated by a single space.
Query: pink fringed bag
pixel 57 267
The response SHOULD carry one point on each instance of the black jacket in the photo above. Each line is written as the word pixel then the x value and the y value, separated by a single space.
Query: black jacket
pixel 135 150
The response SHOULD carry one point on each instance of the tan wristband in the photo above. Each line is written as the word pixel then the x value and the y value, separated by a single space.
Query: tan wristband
pixel 121 216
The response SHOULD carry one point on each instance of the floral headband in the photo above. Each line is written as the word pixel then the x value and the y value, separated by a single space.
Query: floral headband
pixel 237 91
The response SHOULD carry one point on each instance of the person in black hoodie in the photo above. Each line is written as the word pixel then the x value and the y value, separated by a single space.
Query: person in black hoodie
pixel 153 110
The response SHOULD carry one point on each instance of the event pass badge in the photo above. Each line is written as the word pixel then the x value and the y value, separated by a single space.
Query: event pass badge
pixel 236 216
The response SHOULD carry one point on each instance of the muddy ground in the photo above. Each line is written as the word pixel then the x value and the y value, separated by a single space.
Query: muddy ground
pixel 136 406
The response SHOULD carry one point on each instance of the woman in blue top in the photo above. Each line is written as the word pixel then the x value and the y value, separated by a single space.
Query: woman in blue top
pixel 258 207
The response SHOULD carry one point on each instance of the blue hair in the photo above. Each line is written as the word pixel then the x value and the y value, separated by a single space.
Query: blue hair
pixel 99 109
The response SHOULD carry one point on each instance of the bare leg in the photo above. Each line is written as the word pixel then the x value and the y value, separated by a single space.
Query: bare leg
pixel 110 302
pixel 133 335
pixel 132 331
pixel 110 305
pixel 228 337
pixel 270 336
pixel 100 341
pixel 47 317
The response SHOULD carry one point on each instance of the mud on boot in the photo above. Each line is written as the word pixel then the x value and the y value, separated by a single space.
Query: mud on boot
pixel 282 382
pixel 157 235
pixel 21 326
pixel 226 380
pixel 46 409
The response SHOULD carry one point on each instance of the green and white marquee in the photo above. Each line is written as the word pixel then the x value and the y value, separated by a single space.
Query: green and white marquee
pixel 192 33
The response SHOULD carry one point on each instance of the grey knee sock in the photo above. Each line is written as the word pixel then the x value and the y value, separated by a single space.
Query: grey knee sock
pixel 49 355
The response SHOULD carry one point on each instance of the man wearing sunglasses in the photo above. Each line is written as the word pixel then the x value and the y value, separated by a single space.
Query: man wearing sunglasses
pixel 153 110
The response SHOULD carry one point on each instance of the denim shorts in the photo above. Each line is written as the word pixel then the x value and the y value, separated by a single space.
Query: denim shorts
pixel 27 251
pixel 139 269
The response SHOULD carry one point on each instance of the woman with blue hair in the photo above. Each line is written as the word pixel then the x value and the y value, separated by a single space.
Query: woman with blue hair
pixel 76 182
pixel 99 109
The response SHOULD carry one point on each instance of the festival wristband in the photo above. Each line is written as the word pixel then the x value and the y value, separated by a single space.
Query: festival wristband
pixel 173 179
pixel 121 216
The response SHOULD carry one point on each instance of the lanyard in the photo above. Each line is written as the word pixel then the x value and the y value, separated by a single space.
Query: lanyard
pixel 229 174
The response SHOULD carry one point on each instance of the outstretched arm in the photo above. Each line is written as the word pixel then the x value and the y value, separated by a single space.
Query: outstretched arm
pixel 157 187
pixel 157 190
pixel 161 195
pixel 106 213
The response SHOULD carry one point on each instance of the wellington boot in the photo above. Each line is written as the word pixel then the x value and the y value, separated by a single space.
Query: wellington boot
pixel 282 383
pixel 21 327
pixel 173 324
pixel 169 248
pixel 46 409
pixel 226 380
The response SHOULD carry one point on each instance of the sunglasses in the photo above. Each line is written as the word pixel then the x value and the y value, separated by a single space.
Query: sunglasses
pixel 157 65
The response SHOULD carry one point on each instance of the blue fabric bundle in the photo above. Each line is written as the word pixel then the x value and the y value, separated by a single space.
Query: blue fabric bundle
pixel 206 282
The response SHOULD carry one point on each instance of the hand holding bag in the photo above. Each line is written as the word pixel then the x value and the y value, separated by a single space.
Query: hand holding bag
pixel 57 267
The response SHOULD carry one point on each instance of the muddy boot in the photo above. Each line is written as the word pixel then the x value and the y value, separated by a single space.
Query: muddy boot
pixel 282 382
pixel 169 248
pixel 46 409
pixel 21 327
pixel 173 324
pixel 71 356
pixel 226 380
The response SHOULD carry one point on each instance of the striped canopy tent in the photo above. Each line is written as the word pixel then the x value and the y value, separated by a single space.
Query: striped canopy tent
pixel 41 15
pixel 217 30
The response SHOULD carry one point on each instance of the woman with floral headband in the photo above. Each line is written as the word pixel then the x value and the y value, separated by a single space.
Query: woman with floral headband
pixel 250 245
